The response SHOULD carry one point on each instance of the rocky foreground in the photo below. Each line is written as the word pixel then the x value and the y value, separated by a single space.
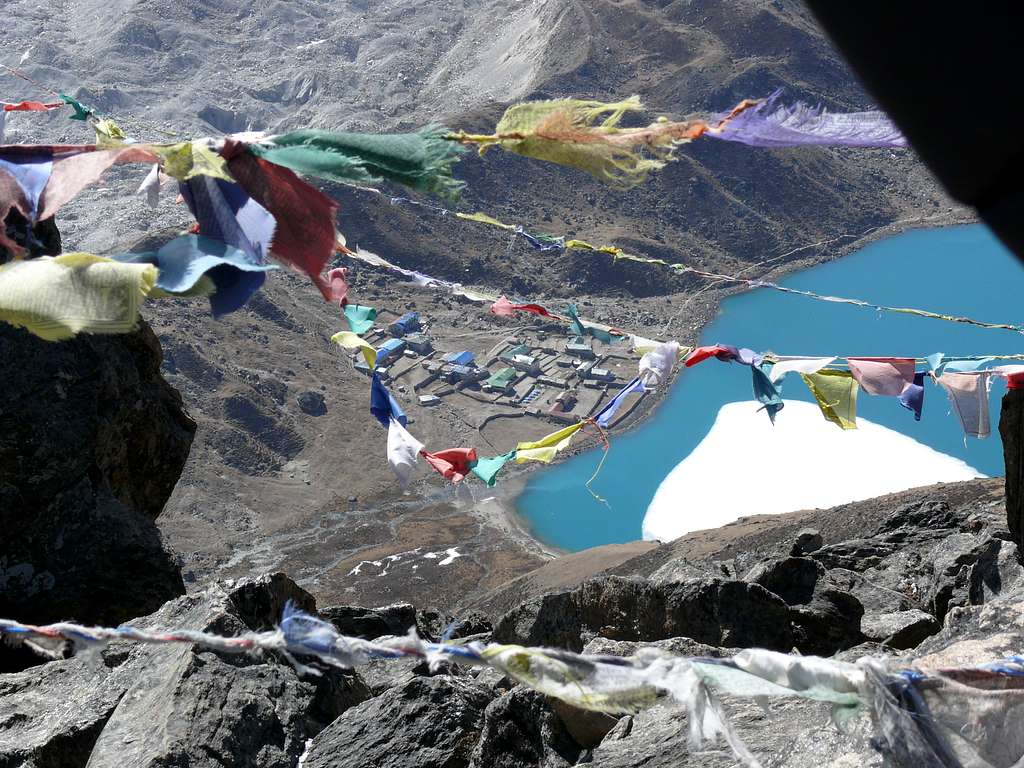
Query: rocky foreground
pixel 90 454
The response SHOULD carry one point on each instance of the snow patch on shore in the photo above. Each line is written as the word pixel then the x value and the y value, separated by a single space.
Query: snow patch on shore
pixel 745 466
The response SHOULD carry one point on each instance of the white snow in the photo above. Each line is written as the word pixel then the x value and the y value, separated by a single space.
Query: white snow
pixel 745 466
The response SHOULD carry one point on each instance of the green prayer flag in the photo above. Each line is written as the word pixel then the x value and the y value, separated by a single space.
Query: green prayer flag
pixel 421 160
pixel 579 329
pixel 836 394
pixel 487 469
pixel 360 318
pixel 82 112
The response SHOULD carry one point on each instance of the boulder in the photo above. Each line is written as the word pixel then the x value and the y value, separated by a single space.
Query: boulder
pixel 428 722
pixel 311 403
pixel 792 578
pixel 900 630
pixel 371 623
pixel 807 540
pixel 711 611
pixel 92 442
pixel 521 730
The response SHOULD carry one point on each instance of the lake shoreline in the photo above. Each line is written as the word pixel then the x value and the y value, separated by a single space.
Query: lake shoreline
pixel 645 410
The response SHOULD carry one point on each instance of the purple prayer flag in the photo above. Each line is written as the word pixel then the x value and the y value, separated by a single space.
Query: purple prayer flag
pixel 772 125
pixel 912 396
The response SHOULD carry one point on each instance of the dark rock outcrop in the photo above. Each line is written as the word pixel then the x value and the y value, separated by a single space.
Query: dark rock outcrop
pixel 712 611
pixel 371 623
pixel 92 442
pixel 1011 430
pixel 427 722
pixel 159 705
pixel 521 730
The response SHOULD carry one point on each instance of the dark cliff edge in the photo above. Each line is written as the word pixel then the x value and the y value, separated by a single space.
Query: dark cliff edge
pixel 92 442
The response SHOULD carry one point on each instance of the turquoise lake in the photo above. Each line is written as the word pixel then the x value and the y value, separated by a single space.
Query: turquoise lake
pixel 957 270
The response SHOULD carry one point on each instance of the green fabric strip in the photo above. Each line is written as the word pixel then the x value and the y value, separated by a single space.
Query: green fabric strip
pixel 422 160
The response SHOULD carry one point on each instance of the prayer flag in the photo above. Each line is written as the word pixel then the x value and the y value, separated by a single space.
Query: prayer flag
pixel 547 447
pixel 885 376
pixel 55 298
pixel 487 468
pixel 836 394
pixel 968 393
pixel 453 463
pixel 184 261
pixel 403 449
pixel 304 238
pixel 360 319
pixel 383 404
pixel 350 340
pixel 912 396
pixel 607 413
pixel 798 365
pixel 768 124
pixel 656 364
pixel 421 160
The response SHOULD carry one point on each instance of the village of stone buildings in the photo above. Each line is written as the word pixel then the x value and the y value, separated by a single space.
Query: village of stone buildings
pixel 541 370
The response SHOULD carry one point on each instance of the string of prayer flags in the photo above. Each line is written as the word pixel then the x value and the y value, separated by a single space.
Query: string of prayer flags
pixel 921 716
pixel 505 308
pixel 487 468
pixel 383 404
pixel 57 297
pixel 184 262
pixel 350 340
pixel 360 318
pixel 836 395
pixel 968 394
pixel 421 161
pixel 769 124
pixel 547 447
pixel 453 463
pixel 402 451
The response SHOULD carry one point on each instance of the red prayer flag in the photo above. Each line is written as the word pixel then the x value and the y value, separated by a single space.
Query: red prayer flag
pixel 452 464
pixel 505 308
pixel 700 354
pixel 305 237
pixel 31 106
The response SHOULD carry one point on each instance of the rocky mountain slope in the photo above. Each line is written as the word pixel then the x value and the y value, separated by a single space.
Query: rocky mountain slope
pixel 262 467
pixel 931 577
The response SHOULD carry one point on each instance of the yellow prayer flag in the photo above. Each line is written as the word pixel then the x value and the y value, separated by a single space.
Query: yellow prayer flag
pixel 546 448
pixel 189 159
pixel 350 340
pixel 55 298
pixel 836 393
